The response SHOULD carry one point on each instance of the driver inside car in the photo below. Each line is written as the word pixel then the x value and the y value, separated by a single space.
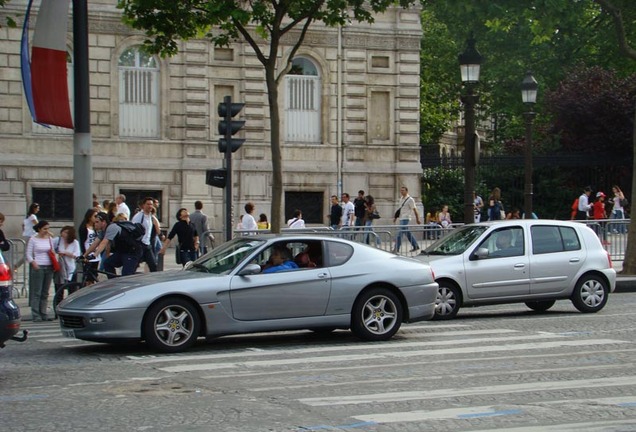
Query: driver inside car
pixel 280 260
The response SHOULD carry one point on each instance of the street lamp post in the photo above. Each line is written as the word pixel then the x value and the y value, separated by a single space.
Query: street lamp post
pixel 469 63
pixel 529 89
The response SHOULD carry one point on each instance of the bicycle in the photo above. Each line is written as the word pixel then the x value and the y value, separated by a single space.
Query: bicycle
pixel 81 279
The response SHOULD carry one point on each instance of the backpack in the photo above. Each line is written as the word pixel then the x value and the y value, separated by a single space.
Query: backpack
pixel 129 238
pixel 575 208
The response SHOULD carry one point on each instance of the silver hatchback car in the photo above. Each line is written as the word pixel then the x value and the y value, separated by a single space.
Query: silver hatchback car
pixel 535 262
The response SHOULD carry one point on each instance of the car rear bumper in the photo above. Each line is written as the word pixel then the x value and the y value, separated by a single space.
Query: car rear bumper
pixel 421 301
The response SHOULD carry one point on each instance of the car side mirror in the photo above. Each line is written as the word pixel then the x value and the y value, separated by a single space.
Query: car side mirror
pixel 479 254
pixel 250 269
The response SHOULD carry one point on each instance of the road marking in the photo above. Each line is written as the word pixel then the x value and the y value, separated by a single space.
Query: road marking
pixel 385 354
pixel 602 426
pixel 393 380
pixel 469 391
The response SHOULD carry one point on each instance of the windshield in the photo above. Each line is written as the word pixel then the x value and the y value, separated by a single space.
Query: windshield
pixel 225 258
pixel 456 242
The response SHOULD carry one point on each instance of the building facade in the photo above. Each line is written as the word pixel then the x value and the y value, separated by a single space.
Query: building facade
pixel 350 121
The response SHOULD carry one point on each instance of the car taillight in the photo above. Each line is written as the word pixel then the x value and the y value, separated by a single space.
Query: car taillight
pixel 5 273
pixel 609 260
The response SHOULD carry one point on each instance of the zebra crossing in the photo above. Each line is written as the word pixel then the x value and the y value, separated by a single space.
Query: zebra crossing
pixel 454 374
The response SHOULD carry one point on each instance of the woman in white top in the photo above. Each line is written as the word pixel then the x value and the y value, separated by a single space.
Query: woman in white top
pixel 297 221
pixel 444 217
pixel 40 271
pixel 30 221
pixel 68 248
pixel 618 210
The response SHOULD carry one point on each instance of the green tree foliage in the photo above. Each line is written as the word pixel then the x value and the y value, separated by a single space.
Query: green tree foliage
pixel 593 111
pixel 260 23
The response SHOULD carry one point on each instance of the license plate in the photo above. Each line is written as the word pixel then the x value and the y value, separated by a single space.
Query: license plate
pixel 68 333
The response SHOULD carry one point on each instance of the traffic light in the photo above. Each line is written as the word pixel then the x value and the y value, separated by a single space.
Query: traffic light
pixel 216 177
pixel 229 127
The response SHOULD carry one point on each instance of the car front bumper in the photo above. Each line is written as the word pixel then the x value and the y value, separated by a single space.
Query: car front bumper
pixel 101 325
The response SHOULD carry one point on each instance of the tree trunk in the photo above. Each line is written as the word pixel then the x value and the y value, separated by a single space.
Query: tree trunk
pixel 277 159
pixel 629 264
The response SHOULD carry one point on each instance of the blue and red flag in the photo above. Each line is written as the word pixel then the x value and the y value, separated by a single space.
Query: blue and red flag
pixel 44 75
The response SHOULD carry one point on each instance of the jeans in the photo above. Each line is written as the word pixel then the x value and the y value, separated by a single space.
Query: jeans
pixel 405 230
pixel 620 228
pixel 187 256
pixel 367 225
pixel 39 286
pixel 148 255
pixel 127 261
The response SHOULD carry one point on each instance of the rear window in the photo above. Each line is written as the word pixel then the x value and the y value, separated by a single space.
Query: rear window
pixel 339 253
pixel 550 239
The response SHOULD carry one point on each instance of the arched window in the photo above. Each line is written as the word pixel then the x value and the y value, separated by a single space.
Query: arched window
pixel 138 94
pixel 302 102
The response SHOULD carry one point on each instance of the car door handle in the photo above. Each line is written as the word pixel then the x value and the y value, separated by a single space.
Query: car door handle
pixel 520 265
pixel 323 275
pixel 575 260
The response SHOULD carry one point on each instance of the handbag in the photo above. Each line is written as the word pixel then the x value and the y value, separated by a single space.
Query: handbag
pixel 54 262
pixel 375 215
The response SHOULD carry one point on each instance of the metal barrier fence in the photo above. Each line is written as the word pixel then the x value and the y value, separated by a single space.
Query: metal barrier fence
pixel 19 270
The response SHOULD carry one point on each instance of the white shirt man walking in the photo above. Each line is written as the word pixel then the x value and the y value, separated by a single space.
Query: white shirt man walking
pixel 406 206
pixel 145 218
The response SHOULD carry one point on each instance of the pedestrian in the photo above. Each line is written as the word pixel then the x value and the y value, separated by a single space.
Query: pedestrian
pixel 348 211
pixel 122 207
pixel 187 237
pixel 4 243
pixel 444 217
pixel 296 221
pixel 598 212
pixel 249 223
pixel 584 206
pixel 239 225
pixel 515 213
pixel 619 202
pixel 68 249
pixel 262 222
pixel 370 214
pixel 200 222
pixel 478 204
pixel 111 211
pixel 30 221
pixel 406 206
pixel 359 209
pixel 99 225
pixel 126 249
pixel 40 270
pixel 88 236
pixel 495 206
pixel 335 214
pixel 150 224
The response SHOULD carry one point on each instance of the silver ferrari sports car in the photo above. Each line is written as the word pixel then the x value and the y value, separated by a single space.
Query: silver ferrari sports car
pixel 257 284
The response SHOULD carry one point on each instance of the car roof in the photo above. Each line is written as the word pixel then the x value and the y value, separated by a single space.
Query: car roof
pixel 530 222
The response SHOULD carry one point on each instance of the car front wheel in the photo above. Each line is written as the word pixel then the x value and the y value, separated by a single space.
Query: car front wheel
pixel 448 301
pixel 540 306
pixel 171 325
pixel 377 315
pixel 590 294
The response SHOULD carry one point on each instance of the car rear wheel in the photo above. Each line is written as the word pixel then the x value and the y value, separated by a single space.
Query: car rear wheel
pixel 590 294
pixel 448 301
pixel 377 315
pixel 171 325
pixel 540 306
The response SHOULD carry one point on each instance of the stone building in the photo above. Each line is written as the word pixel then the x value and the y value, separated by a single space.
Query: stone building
pixel 154 121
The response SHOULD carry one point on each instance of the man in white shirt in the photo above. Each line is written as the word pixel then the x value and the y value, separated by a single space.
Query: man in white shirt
pixel 584 204
pixel 249 223
pixel 406 206
pixel 145 218
pixel 121 205
pixel 348 211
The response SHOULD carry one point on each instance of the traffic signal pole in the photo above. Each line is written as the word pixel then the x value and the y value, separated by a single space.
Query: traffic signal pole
pixel 223 177
pixel 227 100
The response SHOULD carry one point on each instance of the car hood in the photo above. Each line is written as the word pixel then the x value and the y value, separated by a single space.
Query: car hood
pixel 142 284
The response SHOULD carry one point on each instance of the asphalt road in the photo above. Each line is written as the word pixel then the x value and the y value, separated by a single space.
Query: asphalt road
pixel 492 368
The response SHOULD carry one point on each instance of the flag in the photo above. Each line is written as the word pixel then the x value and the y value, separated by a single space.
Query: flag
pixel 44 77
